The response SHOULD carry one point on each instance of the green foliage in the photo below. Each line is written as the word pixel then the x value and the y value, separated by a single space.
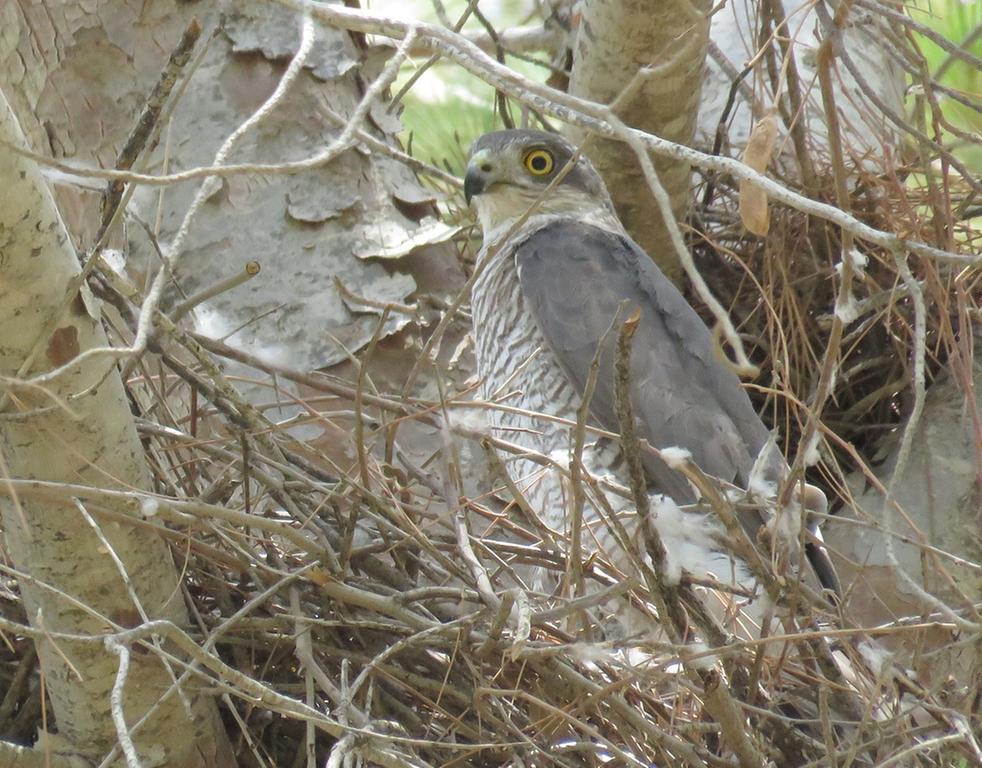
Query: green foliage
pixel 447 108
pixel 960 23
pixel 441 122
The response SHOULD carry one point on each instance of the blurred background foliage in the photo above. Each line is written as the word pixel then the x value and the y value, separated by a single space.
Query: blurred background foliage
pixel 446 108
pixel 961 22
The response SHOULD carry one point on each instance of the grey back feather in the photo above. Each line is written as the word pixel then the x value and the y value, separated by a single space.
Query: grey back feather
pixel 574 278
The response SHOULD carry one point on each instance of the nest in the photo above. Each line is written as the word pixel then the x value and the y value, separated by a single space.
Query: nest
pixel 782 289
pixel 390 601
pixel 370 591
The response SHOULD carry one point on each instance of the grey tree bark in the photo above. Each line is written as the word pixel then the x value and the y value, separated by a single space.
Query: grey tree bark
pixel 681 94
pixel 938 498
pixel 78 428
pixel 648 59
pixel 336 244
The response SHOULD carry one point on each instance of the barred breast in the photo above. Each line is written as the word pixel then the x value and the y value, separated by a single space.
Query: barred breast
pixel 519 371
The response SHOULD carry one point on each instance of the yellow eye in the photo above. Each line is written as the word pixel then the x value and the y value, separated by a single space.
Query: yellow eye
pixel 539 162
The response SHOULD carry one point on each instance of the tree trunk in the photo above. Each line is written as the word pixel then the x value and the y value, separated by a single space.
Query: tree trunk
pixel 736 35
pixel 687 94
pixel 351 221
pixel 77 79
pixel 77 428
pixel 615 40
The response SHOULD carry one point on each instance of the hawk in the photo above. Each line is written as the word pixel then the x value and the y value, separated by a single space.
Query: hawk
pixel 555 270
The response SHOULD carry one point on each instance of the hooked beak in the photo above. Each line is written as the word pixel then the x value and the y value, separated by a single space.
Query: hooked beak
pixel 473 183
pixel 479 176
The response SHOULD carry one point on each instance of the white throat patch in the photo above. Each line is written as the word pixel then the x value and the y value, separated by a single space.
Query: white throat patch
pixel 498 210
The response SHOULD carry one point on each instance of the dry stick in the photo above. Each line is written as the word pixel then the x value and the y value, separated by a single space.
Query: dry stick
pixel 304 652
pixel 736 78
pixel 954 50
pixel 920 70
pixel 251 269
pixel 147 122
pixel 183 511
pixel 594 117
pixel 721 126
pixel 529 514
pixel 608 515
pixel 18 685
pixel 116 703
pixel 707 488
pixel 967 42
pixel 575 565
pixel 433 59
pixel 163 120
pixel 833 30
pixel 844 294
pixel 716 696
pixel 498 623
pixel 666 595
pixel 519 42
pixel 478 573
pixel 454 502
pixel 361 368
pixel 676 241
pixel 940 205
pixel 906 53
pixel 797 126
pixel 238 169
pixel 499 53
pixel 906 444
pixel 243 730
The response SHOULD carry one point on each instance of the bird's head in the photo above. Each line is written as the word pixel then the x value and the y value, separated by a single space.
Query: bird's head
pixel 509 170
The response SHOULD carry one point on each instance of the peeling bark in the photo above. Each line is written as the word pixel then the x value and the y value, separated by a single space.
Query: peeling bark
pixel 78 80
pixel 62 435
